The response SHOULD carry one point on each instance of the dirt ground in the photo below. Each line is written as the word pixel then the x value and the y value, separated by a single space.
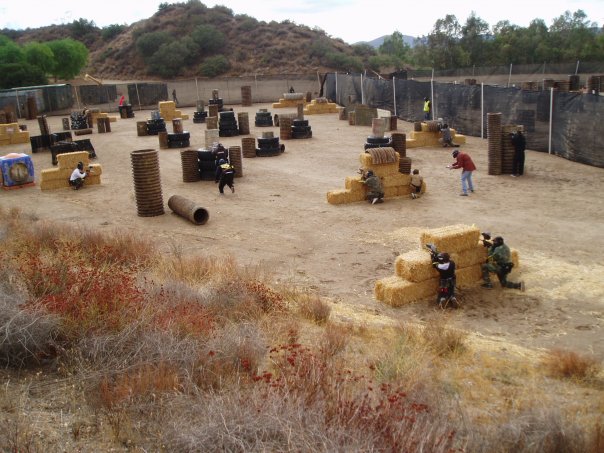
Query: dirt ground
pixel 279 219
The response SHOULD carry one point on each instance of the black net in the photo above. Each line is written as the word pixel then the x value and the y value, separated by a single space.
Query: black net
pixel 575 116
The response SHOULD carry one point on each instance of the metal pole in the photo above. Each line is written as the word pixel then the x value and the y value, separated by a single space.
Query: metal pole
pixel 196 89
pixel 432 95
pixel 138 97
pixel 75 90
pixel 551 119
pixel 18 108
pixel 510 76
pixel 362 92
pixel 256 82
pixel 577 68
pixel 482 110
pixel 337 99
pixel 394 94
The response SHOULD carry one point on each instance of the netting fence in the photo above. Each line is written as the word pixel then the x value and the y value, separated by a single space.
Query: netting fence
pixel 562 123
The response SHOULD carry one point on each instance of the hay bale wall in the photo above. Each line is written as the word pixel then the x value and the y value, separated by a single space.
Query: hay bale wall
pixel 58 178
pixel 416 279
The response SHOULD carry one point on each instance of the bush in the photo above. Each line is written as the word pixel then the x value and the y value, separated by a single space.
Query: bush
pixel 208 39
pixel 314 308
pixel 111 31
pixel 214 66
pixel 569 364
pixel 149 43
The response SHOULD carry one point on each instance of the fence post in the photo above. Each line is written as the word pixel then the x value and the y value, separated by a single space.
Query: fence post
pixel 75 90
pixel 362 92
pixel 551 119
pixel 510 76
pixel 17 100
pixel 577 68
pixel 196 89
pixel 432 96
pixel 394 94
pixel 138 97
pixel 337 99
pixel 482 110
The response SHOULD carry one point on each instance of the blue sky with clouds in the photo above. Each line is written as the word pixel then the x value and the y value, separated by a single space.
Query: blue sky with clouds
pixel 350 20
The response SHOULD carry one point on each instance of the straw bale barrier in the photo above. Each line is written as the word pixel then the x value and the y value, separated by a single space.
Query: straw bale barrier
pixel 430 138
pixel 315 107
pixel 283 103
pixel 395 184
pixel 11 134
pixel 168 111
pixel 58 178
pixel 452 238
pixel 416 279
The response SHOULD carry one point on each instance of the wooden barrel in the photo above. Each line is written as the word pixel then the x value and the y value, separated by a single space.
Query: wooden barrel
pixel 177 125
pixel 246 95
pixel 163 139
pixel 141 128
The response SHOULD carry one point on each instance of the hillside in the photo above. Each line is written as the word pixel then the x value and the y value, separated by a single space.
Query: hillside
pixel 249 45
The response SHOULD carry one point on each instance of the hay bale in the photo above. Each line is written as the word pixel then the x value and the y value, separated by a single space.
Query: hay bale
pixel 396 180
pixel 397 291
pixel 468 277
pixel 354 184
pixel 452 238
pixel 415 266
pixel 470 257
pixel 338 197
pixel 70 160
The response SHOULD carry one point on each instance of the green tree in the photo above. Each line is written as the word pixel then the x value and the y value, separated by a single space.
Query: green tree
pixel 70 57
pixel 209 39
pixel 169 60
pixel 21 74
pixel 39 55
pixel 473 40
pixel 111 31
pixel 395 46
pixel 214 66
pixel 10 52
pixel 442 45
pixel 149 43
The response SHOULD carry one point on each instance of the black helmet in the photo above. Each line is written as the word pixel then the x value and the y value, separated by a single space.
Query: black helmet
pixel 442 257
pixel 81 165
pixel 455 153
pixel 221 161
pixel 498 240
pixel 369 172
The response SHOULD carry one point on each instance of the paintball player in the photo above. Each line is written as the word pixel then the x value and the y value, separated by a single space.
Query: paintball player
pixel 427 108
pixel 519 142
pixel 464 161
pixel 225 173
pixel 375 192
pixel 416 184
pixel 447 279
pixel 499 261
pixel 446 138
pixel 76 180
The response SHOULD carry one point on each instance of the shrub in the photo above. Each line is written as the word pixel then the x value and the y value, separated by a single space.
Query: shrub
pixel 214 66
pixel 312 307
pixel 569 364
pixel 442 340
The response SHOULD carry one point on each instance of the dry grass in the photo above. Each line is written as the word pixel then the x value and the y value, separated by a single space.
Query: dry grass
pixel 188 353
pixel 571 365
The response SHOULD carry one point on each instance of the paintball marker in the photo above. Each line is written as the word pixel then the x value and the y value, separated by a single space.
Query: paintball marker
pixel 433 251
pixel 486 239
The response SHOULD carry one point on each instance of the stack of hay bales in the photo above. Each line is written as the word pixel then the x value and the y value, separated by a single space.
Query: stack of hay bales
pixel 320 105
pixel 58 178
pixel 290 100
pixel 395 184
pixel 416 279
pixel 11 134
pixel 430 134
pixel 168 111
pixel 95 114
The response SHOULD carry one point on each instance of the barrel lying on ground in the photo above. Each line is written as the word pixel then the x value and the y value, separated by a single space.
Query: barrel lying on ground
pixel 188 209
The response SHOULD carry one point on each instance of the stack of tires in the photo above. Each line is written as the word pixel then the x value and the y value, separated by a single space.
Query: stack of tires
pixel 227 126
pixel 378 142
pixel 200 117
pixel 207 165
pixel 78 121
pixel 155 126
pixel 301 129
pixel 263 119
pixel 126 111
pixel 179 140
pixel 268 147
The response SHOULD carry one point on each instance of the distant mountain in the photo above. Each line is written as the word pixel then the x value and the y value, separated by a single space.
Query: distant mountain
pixel 377 42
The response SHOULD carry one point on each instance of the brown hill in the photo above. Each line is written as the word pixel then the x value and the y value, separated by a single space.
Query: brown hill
pixel 250 46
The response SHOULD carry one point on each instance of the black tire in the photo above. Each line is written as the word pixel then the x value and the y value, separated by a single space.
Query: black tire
pixel 301 129
pixel 206 165
pixel 302 134
pixel 179 144
pixel 378 140
pixel 267 153
pixel 274 141
pixel 205 155
pixel 179 137
pixel 375 145
pixel 299 123
pixel 263 114
pixel 226 115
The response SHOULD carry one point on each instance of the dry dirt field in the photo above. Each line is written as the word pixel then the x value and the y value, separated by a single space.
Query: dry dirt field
pixel 279 219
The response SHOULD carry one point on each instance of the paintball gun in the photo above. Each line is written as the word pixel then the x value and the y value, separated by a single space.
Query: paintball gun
pixel 433 251
pixel 486 239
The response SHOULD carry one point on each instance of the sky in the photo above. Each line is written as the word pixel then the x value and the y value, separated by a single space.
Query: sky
pixel 350 20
